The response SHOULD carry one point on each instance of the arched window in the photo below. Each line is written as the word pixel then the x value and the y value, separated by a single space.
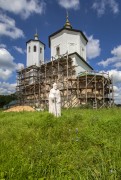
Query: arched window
pixel 35 48
pixel 58 51
pixel 40 50
pixel 29 48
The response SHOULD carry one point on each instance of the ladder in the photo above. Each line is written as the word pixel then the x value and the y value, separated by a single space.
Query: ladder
pixel 94 104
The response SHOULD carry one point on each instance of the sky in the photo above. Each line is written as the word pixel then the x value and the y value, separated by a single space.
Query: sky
pixel 100 21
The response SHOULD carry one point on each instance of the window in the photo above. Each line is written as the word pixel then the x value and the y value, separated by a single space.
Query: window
pixel 35 49
pixel 58 51
pixel 40 50
pixel 29 48
pixel 83 52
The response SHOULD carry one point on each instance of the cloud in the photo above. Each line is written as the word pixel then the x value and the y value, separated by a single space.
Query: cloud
pixel 24 8
pixel 93 47
pixel 69 4
pixel 18 49
pixel 3 46
pixel 19 66
pixel 107 62
pixel 6 59
pixel 7 64
pixel 117 94
pixel 116 75
pixel 5 74
pixel 117 51
pixel 7 88
pixel 101 6
pixel 115 61
pixel 116 78
pixel 115 72
pixel 117 65
pixel 8 27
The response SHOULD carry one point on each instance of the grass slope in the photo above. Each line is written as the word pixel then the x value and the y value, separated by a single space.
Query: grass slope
pixel 80 145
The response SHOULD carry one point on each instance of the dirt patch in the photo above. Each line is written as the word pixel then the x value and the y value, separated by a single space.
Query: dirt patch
pixel 20 108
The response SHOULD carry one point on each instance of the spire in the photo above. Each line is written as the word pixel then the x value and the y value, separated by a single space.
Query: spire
pixel 36 35
pixel 67 24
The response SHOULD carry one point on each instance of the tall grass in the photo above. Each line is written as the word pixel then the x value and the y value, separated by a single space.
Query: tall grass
pixel 80 145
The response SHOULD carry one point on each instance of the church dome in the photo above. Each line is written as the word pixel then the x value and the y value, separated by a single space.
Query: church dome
pixel 67 24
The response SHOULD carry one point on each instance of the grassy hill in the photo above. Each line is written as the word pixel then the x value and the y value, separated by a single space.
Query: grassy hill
pixel 80 145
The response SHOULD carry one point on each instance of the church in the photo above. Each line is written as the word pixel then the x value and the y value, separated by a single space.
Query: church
pixel 64 40
pixel 78 82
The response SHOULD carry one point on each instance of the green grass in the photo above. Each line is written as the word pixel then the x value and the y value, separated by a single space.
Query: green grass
pixel 80 145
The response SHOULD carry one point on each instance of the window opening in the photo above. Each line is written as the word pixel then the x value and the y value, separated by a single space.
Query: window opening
pixel 35 49
pixel 58 50
pixel 29 48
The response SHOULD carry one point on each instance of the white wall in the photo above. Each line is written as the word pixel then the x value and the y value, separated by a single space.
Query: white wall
pixel 68 41
pixel 80 65
pixel 35 58
pixel 83 44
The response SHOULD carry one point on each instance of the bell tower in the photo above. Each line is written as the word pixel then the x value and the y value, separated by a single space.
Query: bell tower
pixel 35 51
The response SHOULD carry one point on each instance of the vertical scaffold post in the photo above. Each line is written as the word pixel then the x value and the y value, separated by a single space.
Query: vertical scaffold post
pixel 39 74
pixel 103 89
pixel 45 85
pixel 86 87
pixel 67 80
pixel 109 87
pixel 95 102
pixel 112 91
pixel 58 71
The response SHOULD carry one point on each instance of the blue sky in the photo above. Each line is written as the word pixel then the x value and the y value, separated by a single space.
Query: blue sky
pixel 100 20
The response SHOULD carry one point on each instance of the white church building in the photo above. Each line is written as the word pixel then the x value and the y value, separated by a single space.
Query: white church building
pixel 68 67
pixel 65 40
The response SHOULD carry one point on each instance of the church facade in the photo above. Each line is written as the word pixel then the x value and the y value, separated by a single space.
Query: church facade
pixel 68 67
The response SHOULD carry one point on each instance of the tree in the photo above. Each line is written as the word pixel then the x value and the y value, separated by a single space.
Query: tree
pixel 5 99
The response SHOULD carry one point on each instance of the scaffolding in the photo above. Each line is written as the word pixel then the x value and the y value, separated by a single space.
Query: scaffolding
pixel 34 84
pixel 96 89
